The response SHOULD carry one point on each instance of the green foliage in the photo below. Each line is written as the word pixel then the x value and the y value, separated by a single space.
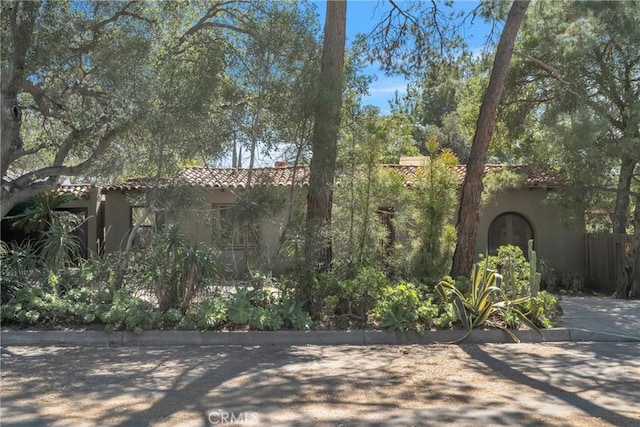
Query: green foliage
pixel 534 276
pixel 499 181
pixel 203 315
pixel 17 267
pixel 435 198
pixel 130 313
pixel 260 310
pixel 83 306
pixel 485 300
pixel 292 315
pixel 543 309
pixel 344 297
pixel 576 89
pixel 397 308
pixel 58 246
pixel 176 268
pixel 402 308
pixel 38 212
pixel 514 268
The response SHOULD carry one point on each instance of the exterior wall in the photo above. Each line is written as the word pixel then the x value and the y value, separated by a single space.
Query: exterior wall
pixel 554 242
pixel 562 247
pixel 197 223
pixel 116 220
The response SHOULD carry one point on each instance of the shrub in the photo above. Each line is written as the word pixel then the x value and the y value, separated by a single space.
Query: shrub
pixel 177 269
pixel 435 199
pixel 543 310
pixel 486 299
pixel 400 308
pixel 293 315
pixel 204 315
pixel 18 264
pixel 514 268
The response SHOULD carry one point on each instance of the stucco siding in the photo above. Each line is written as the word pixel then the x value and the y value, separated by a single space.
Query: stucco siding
pixel 116 221
pixel 556 243
pixel 198 223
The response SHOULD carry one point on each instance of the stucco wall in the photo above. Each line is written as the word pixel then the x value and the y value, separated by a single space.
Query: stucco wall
pixel 197 223
pixel 116 220
pixel 556 243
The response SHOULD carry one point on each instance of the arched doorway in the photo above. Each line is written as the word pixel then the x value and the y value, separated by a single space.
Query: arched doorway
pixel 509 228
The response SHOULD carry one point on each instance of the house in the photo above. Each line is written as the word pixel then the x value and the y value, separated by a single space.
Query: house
pixel 210 220
pixel 511 217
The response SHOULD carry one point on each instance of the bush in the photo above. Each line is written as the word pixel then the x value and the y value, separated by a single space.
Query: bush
pixel 514 268
pixel 485 300
pixel 401 308
pixel 177 269
pixel 203 315
pixel 543 310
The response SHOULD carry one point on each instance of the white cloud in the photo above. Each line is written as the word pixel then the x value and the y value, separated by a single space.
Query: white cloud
pixel 388 90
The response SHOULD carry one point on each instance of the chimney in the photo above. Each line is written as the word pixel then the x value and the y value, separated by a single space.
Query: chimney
pixel 413 160
pixel 280 165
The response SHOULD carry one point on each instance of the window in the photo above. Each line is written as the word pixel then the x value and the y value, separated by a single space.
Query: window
pixel 229 230
pixel 509 229
pixel 148 225
pixel 138 212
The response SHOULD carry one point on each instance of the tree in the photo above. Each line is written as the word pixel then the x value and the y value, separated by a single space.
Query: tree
pixel 267 65
pixel 325 137
pixel 83 82
pixel 468 216
pixel 581 64
pixel 68 71
pixel 432 102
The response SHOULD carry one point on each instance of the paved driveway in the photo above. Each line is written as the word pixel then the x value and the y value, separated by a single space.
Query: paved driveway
pixel 563 384
pixel 598 314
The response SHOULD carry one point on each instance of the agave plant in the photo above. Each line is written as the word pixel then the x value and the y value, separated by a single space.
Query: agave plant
pixel 486 298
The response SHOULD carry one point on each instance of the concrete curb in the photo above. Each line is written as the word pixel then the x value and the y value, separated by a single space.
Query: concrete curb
pixel 289 338
pixel 581 335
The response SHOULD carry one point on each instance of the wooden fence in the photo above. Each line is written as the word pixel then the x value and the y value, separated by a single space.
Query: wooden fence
pixel 604 260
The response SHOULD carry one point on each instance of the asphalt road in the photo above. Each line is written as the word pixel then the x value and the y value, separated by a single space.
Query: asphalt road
pixel 562 384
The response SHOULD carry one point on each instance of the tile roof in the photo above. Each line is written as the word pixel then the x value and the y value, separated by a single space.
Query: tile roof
pixel 206 177
pixel 79 191
pixel 536 178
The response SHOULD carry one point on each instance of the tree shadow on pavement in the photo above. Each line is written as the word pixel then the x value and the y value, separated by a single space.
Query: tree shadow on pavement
pixel 585 376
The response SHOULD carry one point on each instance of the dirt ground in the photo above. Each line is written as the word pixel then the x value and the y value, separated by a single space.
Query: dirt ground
pixel 567 384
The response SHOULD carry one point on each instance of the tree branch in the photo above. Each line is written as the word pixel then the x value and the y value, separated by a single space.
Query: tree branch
pixel 39 96
pixel 205 23
pixel 58 169
pixel 550 69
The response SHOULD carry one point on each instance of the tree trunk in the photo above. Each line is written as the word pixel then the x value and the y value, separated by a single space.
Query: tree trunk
pixel 621 210
pixel 469 209
pixel 629 280
pixel 635 252
pixel 325 138
pixel 21 19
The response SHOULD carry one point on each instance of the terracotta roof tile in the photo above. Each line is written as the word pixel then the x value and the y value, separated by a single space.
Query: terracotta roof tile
pixel 79 191
pixel 206 177
pixel 531 178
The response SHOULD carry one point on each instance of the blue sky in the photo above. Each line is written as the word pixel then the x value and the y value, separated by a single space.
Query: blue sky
pixel 362 15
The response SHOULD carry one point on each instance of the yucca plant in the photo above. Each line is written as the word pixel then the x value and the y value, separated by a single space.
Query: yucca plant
pixel 485 299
